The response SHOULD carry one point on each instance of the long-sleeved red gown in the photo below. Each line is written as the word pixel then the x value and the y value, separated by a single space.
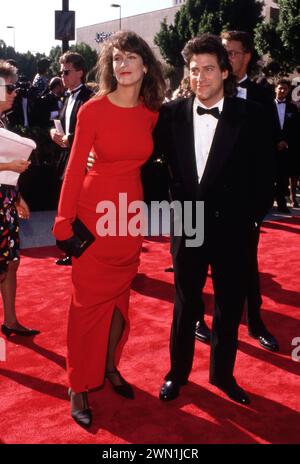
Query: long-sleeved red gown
pixel 121 138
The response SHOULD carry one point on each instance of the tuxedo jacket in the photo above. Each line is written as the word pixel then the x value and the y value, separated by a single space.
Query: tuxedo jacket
pixel 237 183
pixel 290 129
pixel 42 109
pixel 258 93
pixel 264 97
pixel 83 96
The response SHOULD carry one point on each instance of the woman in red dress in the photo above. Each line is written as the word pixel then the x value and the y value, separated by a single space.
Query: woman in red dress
pixel 116 126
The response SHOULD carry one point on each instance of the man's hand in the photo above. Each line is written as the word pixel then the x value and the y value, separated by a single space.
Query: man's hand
pixel 61 140
pixel 90 161
pixel 282 145
pixel 22 208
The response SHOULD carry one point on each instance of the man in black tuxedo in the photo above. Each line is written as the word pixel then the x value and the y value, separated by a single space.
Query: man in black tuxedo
pixel 213 157
pixel 240 49
pixel 287 156
pixel 49 106
pixel 73 72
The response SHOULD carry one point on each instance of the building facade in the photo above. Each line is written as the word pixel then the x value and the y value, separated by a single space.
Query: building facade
pixel 147 25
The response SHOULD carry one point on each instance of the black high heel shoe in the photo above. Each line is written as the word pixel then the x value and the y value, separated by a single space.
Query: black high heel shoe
pixel 83 416
pixel 24 333
pixel 123 389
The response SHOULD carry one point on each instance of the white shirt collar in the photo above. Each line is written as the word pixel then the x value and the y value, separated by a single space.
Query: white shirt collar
pixel 243 79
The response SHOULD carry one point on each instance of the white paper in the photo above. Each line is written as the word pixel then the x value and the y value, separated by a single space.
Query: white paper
pixel 13 147
pixel 58 127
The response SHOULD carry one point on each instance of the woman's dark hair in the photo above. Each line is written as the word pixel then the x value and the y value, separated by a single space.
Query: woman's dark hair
pixel 212 45
pixel 153 86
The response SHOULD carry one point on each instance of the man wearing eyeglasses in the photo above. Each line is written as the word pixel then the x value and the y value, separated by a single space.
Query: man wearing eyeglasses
pixel 240 49
pixel 73 73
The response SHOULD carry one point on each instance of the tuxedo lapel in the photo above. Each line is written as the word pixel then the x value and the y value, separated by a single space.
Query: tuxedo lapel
pixel 183 133
pixel 62 115
pixel 224 140
pixel 74 112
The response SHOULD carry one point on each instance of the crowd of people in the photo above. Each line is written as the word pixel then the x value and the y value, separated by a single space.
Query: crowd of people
pixel 227 142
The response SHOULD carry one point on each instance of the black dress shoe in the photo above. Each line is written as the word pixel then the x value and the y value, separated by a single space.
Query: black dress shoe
pixel 234 392
pixel 119 384
pixel 268 342
pixel 83 417
pixel 65 261
pixel 202 332
pixel 23 332
pixel 265 339
pixel 284 210
pixel 169 390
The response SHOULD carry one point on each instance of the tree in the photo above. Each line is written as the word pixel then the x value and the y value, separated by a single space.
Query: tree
pixel 198 16
pixel 26 62
pixel 281 39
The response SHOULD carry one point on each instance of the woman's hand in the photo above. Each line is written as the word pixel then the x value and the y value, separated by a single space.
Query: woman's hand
pixel 18 166
pixel 90 161
pixel 22 208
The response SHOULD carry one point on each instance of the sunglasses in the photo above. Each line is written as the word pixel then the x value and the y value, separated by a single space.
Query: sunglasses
pixel 10 88
pixel 66 72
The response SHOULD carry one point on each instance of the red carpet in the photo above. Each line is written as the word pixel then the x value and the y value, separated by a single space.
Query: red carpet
pixel 34 407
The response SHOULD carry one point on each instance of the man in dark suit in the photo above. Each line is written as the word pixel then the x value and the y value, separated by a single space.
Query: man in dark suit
pixel 287 129
pixel 49 106
pixel 213 156
pixel 240 49
pixel 73 72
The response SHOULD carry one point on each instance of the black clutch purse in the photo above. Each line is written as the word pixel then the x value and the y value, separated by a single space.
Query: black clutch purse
pixel 79 242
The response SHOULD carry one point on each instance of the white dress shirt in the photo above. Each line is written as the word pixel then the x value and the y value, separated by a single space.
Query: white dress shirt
pixel 281 112
pixel 204 131
pixel 241 91
pixel 70 105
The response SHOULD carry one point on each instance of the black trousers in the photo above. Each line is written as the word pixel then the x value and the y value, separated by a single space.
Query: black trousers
pixel 253 297
pixel 229 266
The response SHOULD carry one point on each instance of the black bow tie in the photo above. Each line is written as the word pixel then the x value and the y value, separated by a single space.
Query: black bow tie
pixel 71 92
pixel 281 102
pixel 212 111
pixel 243 84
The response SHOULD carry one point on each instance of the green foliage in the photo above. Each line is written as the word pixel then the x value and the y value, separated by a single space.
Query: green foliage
pixel 198 16
pixel 27 62
pixel 281 40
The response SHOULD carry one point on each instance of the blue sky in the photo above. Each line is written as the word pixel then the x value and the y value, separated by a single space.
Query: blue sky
pixel 33 20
